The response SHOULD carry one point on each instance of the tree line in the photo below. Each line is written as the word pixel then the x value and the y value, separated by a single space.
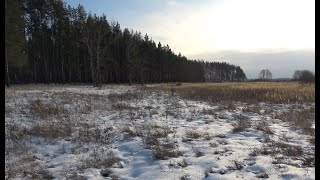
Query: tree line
pixel 48 41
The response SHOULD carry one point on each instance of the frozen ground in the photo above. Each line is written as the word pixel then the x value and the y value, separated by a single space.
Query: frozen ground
pixel 122 132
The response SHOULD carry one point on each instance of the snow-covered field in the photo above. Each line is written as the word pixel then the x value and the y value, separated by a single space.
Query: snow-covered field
pixel 126 132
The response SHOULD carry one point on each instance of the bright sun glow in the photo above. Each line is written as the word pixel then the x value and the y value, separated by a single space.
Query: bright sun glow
pixel 271 24
pixel 246 25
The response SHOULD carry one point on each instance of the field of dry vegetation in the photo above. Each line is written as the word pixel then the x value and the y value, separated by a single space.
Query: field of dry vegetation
pixel 251 92
pixel 186 131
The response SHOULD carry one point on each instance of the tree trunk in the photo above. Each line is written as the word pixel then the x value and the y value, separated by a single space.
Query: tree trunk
pixel 69 70
pixel 62 71
pixel 7 73
pixel 98 74
pixel 35 68
pixel 79 68
pixel 141 77
pixel 129 78
pixel 92 71
pixel 62 61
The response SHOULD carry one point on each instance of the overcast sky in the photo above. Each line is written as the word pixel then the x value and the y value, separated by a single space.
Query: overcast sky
pixel 255 34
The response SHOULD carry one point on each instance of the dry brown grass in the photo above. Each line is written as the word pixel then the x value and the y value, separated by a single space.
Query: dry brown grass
pixel 277 147
pixel 264 127
pixel 155 137
pixel 15 132
pixel 22 162
pixel 154 134
pixel 275 92
pixel 242 125
pixel 91 133
pixel 132 131
pixel 253 109
pixel 236 165
pixel 209 111
pixel 38 108
pixel 128 96
pixel 16 145
pixel 101 160
pixel 121 106
pixel 302 119
pixel 309 161
pixel 52 129
pixel 165 150
pixel 193 134
pixel 31 170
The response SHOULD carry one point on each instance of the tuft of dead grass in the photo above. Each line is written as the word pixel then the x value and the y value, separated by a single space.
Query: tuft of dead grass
pixel 52 129
pixel 102 161
pixel 209 111
pixel 49 110
pixel 30 169
pixel 242 125
pixel 193 134
pixel 237 165
pixel 165 151
pixel 264 127
pixel 278 147
pixel 87 132
pixel 309 161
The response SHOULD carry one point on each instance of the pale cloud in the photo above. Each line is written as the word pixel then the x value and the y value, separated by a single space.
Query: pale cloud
pixel 246 25
pixel 255 34
pixel 172 2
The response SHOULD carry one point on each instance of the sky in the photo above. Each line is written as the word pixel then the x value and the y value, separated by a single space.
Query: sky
pixel 278 35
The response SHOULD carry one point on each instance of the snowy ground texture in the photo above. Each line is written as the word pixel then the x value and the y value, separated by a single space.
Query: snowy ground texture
pixel 126 132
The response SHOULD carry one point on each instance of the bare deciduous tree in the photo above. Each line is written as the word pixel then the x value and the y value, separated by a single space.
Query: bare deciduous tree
pixel 94 37
pixel 265 74
pixel 304 76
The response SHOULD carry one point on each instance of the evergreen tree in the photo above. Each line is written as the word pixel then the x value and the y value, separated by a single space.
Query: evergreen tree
pixel 65 45
pixel 15 52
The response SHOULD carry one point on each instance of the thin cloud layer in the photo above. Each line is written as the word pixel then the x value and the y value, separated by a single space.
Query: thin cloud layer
pixel 279 35
pixel 248 25
pixel 282 64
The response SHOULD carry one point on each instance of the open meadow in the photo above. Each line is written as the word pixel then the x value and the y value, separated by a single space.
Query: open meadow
pixel 246 130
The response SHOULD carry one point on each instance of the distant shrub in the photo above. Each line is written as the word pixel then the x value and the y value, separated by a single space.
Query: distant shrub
pixel 304 76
